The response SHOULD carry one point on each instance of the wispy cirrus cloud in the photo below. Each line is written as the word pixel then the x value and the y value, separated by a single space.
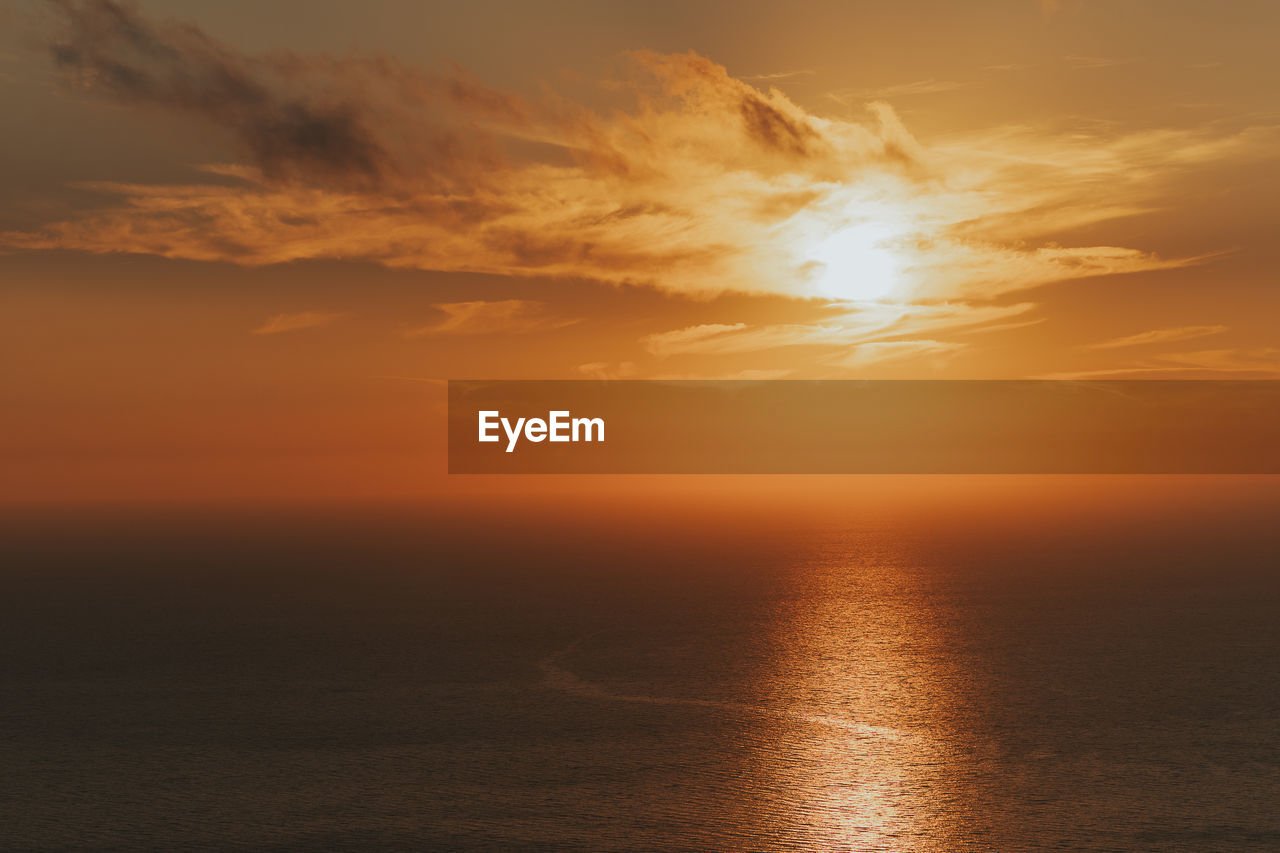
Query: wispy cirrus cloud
pixel 878 352
pixel 1227 362
pixel 505 316
pixel 295 322
pixel 867 325
pixel 608 370
pixel 776 76
pixel 1158 336
pixel 899 90
pixel 1087 62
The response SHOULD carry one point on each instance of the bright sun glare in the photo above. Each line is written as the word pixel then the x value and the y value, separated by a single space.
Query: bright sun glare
pixel 859 266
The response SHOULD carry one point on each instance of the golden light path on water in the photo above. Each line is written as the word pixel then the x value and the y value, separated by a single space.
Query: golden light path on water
pixel 860 641
pixel 846 745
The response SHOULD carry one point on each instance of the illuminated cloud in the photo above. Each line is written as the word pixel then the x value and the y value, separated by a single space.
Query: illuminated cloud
pixel 608 370
pixel 747 374
pixel 1235 363
pixel 1261 358
pixel 507 316
pixel 900 90
pixel 869 325
pixel 1087 62
pixel 779 75
pixel 1159 336
pixel 294 322
pixel 694 182
pixel 868 354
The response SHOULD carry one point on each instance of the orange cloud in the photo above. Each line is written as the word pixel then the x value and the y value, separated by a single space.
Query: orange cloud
pixel 293 322
pixel 870 324
pixel 1256 363
pixel 1159 336
pixel 865 355
pixel 697 183
pixel 608 370
pixel 507 316
pixel 900 90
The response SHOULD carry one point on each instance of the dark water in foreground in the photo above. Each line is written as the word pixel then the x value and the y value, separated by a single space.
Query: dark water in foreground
pixel 407 680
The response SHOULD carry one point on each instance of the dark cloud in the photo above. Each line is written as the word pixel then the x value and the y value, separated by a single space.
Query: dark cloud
pixel 773 130
pixel 110 48
pixel 366 121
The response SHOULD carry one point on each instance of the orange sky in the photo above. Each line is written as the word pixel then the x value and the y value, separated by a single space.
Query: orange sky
pixel 241 247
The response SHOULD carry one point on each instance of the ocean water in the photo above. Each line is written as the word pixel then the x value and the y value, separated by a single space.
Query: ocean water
pixel 422 679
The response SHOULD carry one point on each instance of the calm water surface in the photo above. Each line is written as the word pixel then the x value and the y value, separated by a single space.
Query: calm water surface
pixel 401 681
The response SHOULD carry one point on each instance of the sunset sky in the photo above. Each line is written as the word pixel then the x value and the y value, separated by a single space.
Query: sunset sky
pixel 242 244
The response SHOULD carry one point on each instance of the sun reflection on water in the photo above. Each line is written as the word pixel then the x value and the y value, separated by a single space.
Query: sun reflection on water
pixel 860 645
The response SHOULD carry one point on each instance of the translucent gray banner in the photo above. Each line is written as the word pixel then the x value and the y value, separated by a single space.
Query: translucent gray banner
pixel 864 427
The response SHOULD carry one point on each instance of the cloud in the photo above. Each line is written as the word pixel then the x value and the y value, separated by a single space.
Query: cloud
pixel 1257 363
pixel 867 325
pixel 293 322
pixel 900 90
pixel 1158 336
pixel 508 316
pixel 1261 360
pixel 780 75
pixel 877 352
pixel 692 181
pixel 747 374
pixel 111 50
pixel 1086 62
pixel 852 348
pixel 608 370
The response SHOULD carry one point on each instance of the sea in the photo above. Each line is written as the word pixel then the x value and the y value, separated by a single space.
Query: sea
pixel 1098 676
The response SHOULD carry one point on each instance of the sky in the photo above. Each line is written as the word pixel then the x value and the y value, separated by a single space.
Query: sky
pixel 243 244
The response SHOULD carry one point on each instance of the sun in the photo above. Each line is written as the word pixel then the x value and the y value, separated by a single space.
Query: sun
pixel 859 264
